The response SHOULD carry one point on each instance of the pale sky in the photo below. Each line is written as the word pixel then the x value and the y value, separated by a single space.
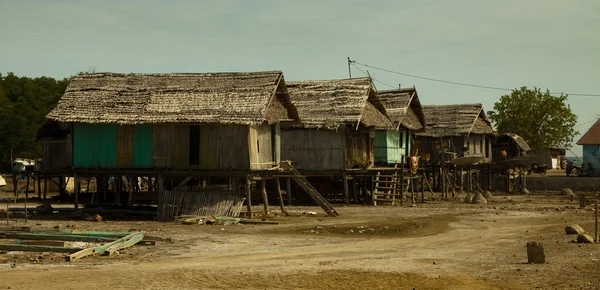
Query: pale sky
pixel 550 44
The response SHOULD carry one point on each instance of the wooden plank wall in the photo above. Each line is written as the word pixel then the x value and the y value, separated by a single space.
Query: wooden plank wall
pixel 233 146
pixel 181 147
pixel 357 147
pixel 261 153
pixel 162 148
pixel 313 149
pixel 125 146
pixel 210 147
pixel 57 155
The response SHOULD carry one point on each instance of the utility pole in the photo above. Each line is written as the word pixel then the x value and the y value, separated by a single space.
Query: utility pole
pixel 349 63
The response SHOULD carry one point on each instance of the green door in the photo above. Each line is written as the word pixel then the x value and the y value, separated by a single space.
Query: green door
pixel 142 146
pixel 95 145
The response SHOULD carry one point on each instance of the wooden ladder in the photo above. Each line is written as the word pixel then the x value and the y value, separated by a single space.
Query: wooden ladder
pixel 386 188
pixel 310 190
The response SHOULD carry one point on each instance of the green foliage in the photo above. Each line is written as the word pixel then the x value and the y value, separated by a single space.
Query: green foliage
pixel 24 103
pixel 541 119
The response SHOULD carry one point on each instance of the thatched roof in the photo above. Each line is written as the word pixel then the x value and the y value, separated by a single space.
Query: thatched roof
pixel 220 98
pixel 332 103
pixel 403 107
pixel 455 120
pixel 517 139
pixel 592 136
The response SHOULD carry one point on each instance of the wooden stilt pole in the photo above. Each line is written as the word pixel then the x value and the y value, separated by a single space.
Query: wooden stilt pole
pixel 15 185
pixel 596 236
pixel 346 193
pixel 412 183
pixel 364 189
pixel 289 190
pixel 354 189
pixel 423 186
pixel 249 196
pixel 45 188
pixel 39 185
pixel 278 188
pixel 263 189
pixel 76 193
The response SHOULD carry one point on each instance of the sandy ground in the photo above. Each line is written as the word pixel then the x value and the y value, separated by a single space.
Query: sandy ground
pixel 436 245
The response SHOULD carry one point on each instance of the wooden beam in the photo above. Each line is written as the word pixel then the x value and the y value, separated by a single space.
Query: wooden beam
pixel 109 248
pixel 354 190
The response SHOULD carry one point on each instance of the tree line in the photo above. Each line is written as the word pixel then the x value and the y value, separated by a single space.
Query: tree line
pixel 24 103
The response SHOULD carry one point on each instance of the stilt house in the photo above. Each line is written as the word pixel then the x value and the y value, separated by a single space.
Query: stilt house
pixel 338 122
pixel 461 130
pixel 146 123
pixel 591 150
pixel 405 111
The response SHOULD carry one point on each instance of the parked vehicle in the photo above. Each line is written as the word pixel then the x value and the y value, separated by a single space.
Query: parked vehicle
pixel 537 168
pixel 572 169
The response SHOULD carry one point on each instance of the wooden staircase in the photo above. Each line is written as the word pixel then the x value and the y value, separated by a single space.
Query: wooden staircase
pixel 310 190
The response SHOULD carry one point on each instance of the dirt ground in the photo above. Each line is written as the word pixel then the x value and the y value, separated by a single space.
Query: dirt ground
pixel 436 245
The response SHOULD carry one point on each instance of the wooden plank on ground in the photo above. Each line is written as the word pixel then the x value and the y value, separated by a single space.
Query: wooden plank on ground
pixel 55 237
pixel 126 241
pixel 37 248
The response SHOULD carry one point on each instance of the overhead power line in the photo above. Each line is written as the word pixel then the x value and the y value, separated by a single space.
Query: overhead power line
pixel 374 79
pixel 354 63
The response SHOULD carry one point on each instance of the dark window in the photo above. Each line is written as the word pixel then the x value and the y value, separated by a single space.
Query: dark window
pixel 194 145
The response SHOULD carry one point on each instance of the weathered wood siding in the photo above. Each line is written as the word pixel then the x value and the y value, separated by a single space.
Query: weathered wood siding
pixel 234 153
pixel 428 145
pixel 181 147
pixel 261 153
pixel 57 155
pixel 162 145
pixel 210 147
pixel 313 149
pixel 357 147
pixel 125 146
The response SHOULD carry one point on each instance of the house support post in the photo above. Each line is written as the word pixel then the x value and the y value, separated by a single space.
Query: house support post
pixel 354 189
pixel 249 196
pixel 45 187
pixel 278 188
pixel 76 193
pixel 346 194
pixel 263 189
pixel 39 185
pixel 288 190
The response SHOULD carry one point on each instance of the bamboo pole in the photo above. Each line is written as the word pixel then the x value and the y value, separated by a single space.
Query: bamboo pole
pixel 346 193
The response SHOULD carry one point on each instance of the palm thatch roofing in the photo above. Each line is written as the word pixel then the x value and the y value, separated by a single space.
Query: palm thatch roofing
pixel 332 103
pixel 455 120
pixel 403 107
pixel 592 136
pixel 517 139
pixel 216 98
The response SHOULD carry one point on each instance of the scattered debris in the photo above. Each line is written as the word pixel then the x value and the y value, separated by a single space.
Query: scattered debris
pixel 44 209
pixel 468 198
pixel 535 253
pixel 488 195
pixel 567 191
pixel 585 238
pixel 309 213
pixel 574 230
pixel 479 199
pixel 524 191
